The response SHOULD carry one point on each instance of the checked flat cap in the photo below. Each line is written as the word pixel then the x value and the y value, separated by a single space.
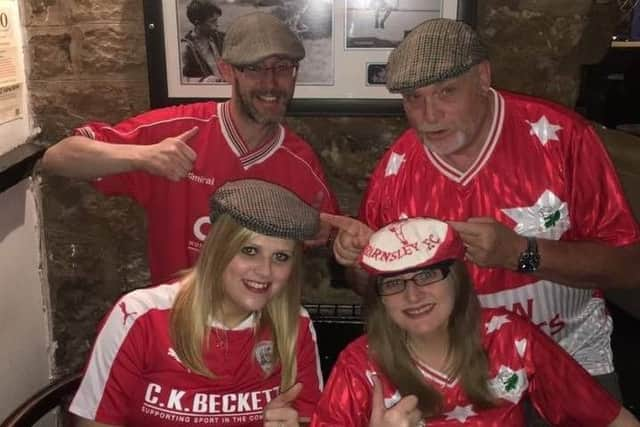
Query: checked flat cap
pixel 436 50
pixel 256 36
pixel 265 208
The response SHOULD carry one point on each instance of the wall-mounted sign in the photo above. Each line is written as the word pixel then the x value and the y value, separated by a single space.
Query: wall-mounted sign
pixel 10 80
pixel 14 120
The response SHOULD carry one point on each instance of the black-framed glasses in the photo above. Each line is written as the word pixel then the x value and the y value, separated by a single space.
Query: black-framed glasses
pixel 386 286
pixel 280 70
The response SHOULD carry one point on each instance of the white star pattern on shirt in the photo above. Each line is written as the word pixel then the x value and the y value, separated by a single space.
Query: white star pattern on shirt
pixel 460 413
pixel 496 323
pixel 544 130
pixel 393 166
pixel 548 217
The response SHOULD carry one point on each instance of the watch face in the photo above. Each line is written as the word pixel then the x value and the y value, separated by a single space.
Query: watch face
pixel 528 262
pixel 529 259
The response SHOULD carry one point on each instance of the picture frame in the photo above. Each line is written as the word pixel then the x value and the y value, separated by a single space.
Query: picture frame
pixel 347 44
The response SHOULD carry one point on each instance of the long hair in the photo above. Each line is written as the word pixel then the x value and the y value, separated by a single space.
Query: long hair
pixel 466 358
pixel 202 292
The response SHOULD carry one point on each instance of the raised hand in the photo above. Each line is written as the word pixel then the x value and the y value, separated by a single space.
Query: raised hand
pixel 352 237
pixel 490 243
pixel 404 413
pixel 171 158
pixel 279 412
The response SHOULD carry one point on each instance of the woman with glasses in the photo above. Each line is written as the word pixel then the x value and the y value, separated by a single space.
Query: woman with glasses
pixel 433 357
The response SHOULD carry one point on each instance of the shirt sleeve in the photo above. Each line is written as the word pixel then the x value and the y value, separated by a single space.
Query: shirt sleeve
pixel 112 372
pixel 145 129
pixel 346 399
pixel 601 211
pixel 309 372
pixel 560 389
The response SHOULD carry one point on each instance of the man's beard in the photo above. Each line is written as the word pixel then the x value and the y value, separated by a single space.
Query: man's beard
pixel 452 144
pixel 249 109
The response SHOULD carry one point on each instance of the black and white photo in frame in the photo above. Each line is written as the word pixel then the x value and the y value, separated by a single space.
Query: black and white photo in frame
pixel 183 42
pixel 384 23
pixel 201 25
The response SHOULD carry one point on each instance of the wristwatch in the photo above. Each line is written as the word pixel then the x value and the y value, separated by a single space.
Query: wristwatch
pixel 529 260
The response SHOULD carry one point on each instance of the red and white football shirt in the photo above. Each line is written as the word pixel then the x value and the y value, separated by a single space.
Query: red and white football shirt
pixel 178 212
pixel 523 362
pixel 543 172
pixel 135 378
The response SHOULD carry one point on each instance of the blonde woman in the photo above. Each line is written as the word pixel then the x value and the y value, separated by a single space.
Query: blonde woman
pixel 227 344
pixel 433 356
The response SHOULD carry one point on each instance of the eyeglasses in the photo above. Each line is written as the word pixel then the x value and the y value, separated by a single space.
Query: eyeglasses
pixel 283 70
pixel 428 276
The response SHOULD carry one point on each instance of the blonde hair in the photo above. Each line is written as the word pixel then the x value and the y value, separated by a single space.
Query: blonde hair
pixel 202 293
pixel 465 355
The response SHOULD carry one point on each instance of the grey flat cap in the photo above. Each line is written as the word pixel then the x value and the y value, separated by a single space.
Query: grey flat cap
pixel 436 50
pixel 256 36
pixel 265 208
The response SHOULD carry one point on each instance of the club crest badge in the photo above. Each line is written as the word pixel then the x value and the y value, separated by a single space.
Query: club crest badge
pixel 264 355
pixel 509 384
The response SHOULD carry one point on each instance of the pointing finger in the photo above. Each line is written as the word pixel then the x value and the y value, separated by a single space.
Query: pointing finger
pixel 347 224
pixel 186 136
pixel 342 222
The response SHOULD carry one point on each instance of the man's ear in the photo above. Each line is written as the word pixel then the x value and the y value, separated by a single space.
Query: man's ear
pixel 484 73
pixel 226 70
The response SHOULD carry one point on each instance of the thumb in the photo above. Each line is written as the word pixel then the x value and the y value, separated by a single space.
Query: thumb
pixel 186 136
pixel 286 398
pixel 407 404
pixel 377 401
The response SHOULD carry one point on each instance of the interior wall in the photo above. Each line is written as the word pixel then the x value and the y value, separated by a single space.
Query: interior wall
pixel 24 330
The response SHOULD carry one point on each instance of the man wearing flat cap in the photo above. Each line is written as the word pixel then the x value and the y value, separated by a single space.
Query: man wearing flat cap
pixel 171 160
pixel 526 183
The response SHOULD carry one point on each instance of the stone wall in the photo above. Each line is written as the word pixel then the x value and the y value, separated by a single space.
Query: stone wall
pixel 88 63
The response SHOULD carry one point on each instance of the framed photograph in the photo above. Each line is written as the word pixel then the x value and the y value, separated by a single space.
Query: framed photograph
pixel 347 44
pixel 376 74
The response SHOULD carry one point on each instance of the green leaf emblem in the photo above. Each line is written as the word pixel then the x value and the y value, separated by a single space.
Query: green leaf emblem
pixel 551 220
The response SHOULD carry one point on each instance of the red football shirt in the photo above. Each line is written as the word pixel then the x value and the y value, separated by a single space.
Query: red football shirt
pixel 178 212
pixel 523 362
pixel 542 172
pixel 135 378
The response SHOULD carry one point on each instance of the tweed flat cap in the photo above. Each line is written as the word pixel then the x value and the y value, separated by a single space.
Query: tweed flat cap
pixel 436 50
pixel 265 208
pixel 256 36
